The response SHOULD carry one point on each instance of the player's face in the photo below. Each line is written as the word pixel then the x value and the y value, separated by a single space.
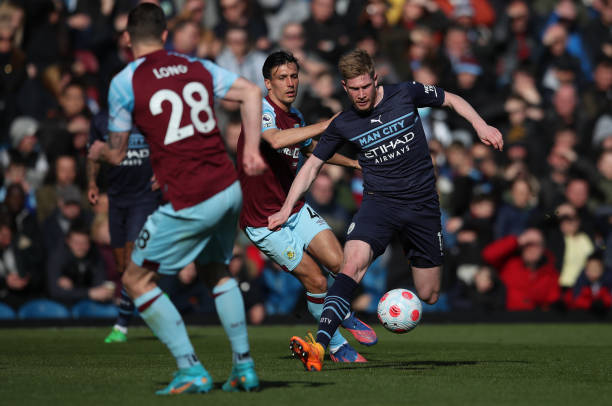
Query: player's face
pixel 283 84
pixel 362 91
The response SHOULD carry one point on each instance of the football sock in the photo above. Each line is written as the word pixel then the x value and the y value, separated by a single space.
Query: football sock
pixel 126 310
pixel 315 307
pixel 230 308
pixel 161 316
pixel 335 307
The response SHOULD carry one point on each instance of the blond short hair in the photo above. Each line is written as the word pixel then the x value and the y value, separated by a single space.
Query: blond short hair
pixel 356 63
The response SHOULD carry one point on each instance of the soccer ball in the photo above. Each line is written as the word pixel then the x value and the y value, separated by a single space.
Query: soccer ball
pixel 399 310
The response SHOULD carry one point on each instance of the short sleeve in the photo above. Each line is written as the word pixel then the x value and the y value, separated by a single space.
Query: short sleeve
pixel 121 102
pixel 223 79
pixel 424 95
pixel 329 143
pixel 268 117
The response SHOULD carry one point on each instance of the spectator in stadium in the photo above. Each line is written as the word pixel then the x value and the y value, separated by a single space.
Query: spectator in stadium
pixel 485 293
pixel 56 131
pixel 552 184
pixel 24 225
pixel 293 40
pixel 75 270
pixel 515 37
pixel 240 57
pixel 282 290
pixel 322 99
pixel 322 198
pixel 578 195
pixel 514 215
pixel 65 174
pixel 481 10
pixel 593 290
pixel 21 276
pixel 597 97
pixel 250 283
pixel 526 269
pixel 327 32
pixel 185 38
pixel 597 31
pixel 12 76
pixel 565 14
pixel 15 174
pixel 247 15
pixel 69 210
pixel 25 148
pixel 570 245
pixel 473 232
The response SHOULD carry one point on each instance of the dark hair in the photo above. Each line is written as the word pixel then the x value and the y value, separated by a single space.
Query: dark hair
pixel 146 22
pixel 278 58
pixel 78 227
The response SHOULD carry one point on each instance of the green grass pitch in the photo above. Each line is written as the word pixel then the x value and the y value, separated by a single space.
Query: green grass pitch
pixel 464 364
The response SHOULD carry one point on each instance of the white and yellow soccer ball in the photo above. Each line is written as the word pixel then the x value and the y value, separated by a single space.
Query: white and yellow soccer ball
pixel 399 310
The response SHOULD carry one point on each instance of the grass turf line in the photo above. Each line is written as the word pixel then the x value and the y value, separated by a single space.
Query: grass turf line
pixel 510 364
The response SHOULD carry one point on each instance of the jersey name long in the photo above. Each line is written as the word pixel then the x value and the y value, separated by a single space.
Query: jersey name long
pixel 169 98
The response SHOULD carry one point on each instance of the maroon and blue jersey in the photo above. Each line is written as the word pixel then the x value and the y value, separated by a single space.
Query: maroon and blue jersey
pixel 169 98
pixel 393 151
pixel 264 195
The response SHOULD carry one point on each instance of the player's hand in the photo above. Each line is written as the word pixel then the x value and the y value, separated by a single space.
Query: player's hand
pixel 154 183
pixel 253 163
pixel 16 282
pixel 92 194
pixel 490 136
pixel 100 294
pixel 95 150
pixel 276 220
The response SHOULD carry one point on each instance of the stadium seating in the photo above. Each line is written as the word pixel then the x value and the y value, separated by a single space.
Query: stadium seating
pixel 87 309
pixel 6 313
pixel 43 309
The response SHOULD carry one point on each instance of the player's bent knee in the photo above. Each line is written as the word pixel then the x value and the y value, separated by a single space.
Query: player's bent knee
pixel 137 281
pixel 429 296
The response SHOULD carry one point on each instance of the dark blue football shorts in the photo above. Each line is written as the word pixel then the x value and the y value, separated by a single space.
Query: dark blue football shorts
pixel 125 222
pixel 418 227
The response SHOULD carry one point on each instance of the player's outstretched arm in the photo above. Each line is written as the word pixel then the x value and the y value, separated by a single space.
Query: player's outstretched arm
pixel 112 151
pixel 249 96
pixel 300 184
pixel 291 136
pixel 488 135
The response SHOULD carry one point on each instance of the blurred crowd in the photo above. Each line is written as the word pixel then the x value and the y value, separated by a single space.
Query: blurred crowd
pixel 524 229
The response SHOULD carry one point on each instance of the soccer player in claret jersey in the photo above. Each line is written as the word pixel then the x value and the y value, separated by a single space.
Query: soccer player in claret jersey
pixel 306 237
pixel 400 196
pixel 169 98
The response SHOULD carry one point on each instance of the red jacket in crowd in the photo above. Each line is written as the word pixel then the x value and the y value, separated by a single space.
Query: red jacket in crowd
pixel 526 289
pixel 585 298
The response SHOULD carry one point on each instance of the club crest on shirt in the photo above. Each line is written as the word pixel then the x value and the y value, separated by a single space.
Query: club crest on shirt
pixel 290 254
pixel 267 121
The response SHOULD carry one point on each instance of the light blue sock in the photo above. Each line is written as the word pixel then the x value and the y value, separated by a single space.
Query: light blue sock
pixel 315 307
pixel 161 316
pixel 230 308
